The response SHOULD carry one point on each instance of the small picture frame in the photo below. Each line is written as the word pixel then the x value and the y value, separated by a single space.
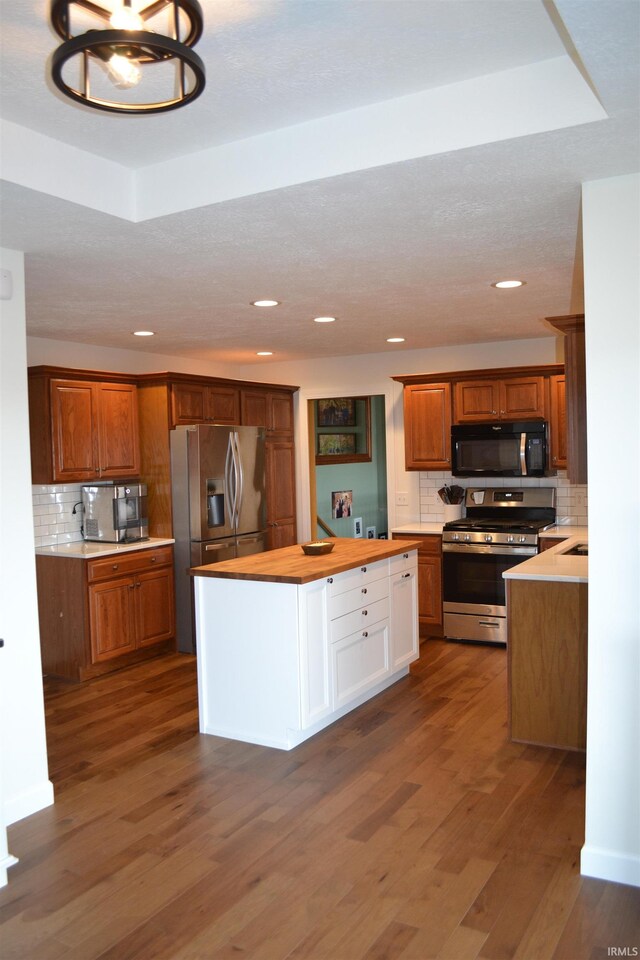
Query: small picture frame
pixel 336 444
pixel 341 504
pixel 337 412
pixel 357 527
pixel 371 533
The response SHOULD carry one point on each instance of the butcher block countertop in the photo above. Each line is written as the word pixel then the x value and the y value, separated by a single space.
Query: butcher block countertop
pixel 291 565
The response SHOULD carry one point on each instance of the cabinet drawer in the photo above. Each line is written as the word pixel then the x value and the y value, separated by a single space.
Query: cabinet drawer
pixel 127 563
pixel 357 577
pixel 359 619
pixel 430 543
pixel 357 598
pixel 404 561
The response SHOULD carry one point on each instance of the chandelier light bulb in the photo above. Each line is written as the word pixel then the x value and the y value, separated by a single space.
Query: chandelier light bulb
pixel 124 18
pixel 124 73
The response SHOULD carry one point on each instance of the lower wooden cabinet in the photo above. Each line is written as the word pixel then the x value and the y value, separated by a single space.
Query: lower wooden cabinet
pixel 547 542
pixel 99 615
pixel 429 582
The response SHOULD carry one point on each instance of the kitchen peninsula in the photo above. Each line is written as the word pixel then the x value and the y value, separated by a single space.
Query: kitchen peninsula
pixel 287 643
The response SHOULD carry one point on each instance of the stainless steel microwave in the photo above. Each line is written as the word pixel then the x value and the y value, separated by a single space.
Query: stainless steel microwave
pixel 515 449
pixel 115 512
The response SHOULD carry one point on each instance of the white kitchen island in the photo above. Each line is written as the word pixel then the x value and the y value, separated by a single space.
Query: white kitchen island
pixel 288 643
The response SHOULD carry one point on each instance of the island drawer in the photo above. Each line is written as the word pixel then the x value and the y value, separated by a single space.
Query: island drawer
pixel 359 619
pixel 403 561
pixel 125 564
pixel 358 597
pixel 358 577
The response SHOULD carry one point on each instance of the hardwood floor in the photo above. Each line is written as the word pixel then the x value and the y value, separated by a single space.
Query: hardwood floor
pixel 411 829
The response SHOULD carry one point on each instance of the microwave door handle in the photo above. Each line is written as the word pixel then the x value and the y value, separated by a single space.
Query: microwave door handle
pixel 523 454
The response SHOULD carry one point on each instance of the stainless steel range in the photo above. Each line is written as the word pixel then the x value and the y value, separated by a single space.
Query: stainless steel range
pixel 500 529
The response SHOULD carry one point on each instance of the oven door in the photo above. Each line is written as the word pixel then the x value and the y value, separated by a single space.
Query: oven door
pixel 472 576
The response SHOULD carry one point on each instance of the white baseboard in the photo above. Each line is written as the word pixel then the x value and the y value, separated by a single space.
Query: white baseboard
pixel 5 863
pixel 609 865
pixel 24 804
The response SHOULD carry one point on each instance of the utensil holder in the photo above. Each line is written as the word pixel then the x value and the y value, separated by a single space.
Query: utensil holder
pixel 452 511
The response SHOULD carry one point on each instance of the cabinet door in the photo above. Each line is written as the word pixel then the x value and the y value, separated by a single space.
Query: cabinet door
pixel 522 397
pixel 188 403
pixel 280 409
pixel 558 422
pixel 111 618
pixel 430 591
pixel 404 618
pixel 315 678
pixel 253 408
pixel 281 493
pixel 118 445
pixel 154 608
pixel 359 661
pixel 476 400
pixel 427 426
pixel 223 405
pixel 74 430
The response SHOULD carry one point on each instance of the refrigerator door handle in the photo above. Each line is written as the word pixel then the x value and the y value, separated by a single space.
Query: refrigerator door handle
pixel 229 482
pixel 240 478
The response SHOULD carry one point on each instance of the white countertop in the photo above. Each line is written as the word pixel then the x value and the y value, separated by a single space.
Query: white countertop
pixel 564 530
pixel 554 564
pixel 418 527
pixel 90 550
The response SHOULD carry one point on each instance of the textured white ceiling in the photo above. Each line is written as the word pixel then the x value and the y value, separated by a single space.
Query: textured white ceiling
pixel 407 249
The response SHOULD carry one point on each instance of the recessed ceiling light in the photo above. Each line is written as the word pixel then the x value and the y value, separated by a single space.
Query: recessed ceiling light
pixel 265 303
pixel 395 339
pixel 143 333
pixel 324 319
pixel 508 284
pixel 264 353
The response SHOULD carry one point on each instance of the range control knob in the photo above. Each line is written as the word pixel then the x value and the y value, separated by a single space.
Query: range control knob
pixel 488 537
pixel 455 536
pixel 522 539
pixel 510 538
pixel 467 537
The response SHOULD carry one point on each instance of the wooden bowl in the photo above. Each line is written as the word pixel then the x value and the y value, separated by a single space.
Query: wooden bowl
pixel 316 548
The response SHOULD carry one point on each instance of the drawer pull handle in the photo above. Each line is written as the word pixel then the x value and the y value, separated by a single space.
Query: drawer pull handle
pixel 364 590
pixel 405 575
pixel 365 633
pixel 363 569
pixel 329 579
pixel 364 613
pixel 153 559
pixel 405 556
pixel 487 623
pixel 132 586
pixel 114 566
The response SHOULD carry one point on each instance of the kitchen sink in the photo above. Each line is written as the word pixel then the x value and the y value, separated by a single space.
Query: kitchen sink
pixel 577 550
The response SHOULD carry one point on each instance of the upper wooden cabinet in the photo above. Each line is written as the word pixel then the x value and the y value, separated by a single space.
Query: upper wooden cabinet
pixel 572 328
pixel 200 403
pixel 514 398
pixel 82 429
pixel 558 422
pixel 272 409
pixel 427 426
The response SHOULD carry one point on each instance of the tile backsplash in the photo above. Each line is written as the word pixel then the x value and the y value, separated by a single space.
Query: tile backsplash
pixel 571 498
pixel 53 518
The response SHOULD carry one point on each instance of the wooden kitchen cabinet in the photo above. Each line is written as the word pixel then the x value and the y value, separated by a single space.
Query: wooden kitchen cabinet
pixel 281 493
pixel 545 543
pixel 514 398
pixel 267 408
pixel 100 615
pixel 427 426
pixel 558 422
pixel 82 430
pixel 575 424
pixel 201 403
pixel 430 616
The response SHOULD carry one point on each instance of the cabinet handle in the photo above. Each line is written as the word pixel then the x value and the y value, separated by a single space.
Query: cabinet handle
pixel 364 613
pixel 365 633
pixel 502 412
pixel 153 559
pixel 364 590
pixel 329 579
pixel 363 569
pixel 405 575
pixel 132 586
pixel 114 566
pixel 405 556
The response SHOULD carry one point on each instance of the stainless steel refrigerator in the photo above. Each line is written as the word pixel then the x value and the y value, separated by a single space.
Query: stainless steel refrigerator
pixel 219 505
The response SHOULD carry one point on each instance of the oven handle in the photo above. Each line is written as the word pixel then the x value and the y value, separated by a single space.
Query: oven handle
pixel 523 454
pixel 499 550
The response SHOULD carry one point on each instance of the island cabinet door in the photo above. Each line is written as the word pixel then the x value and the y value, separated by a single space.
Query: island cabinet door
pixel 403 594
pixel 315 664
pixel 359 661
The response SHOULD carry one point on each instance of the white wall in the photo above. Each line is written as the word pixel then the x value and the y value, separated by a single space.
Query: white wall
pixel 611 221
pixel 24 753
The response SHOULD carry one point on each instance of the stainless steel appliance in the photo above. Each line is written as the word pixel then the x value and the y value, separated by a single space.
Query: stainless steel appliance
pixel 219 505
pixel 517 449
pixel 115 512
pixel 500 529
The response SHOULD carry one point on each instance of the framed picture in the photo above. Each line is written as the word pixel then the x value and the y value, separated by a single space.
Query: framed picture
pixel 341 504
pixel 371 533
pixel 336 444
pixel 337 412
pixel 357 527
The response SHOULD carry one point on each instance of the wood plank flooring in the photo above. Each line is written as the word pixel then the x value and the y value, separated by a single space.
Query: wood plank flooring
pixel 410 829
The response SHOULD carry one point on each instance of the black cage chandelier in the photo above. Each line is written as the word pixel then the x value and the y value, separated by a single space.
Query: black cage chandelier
pixel 122 48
